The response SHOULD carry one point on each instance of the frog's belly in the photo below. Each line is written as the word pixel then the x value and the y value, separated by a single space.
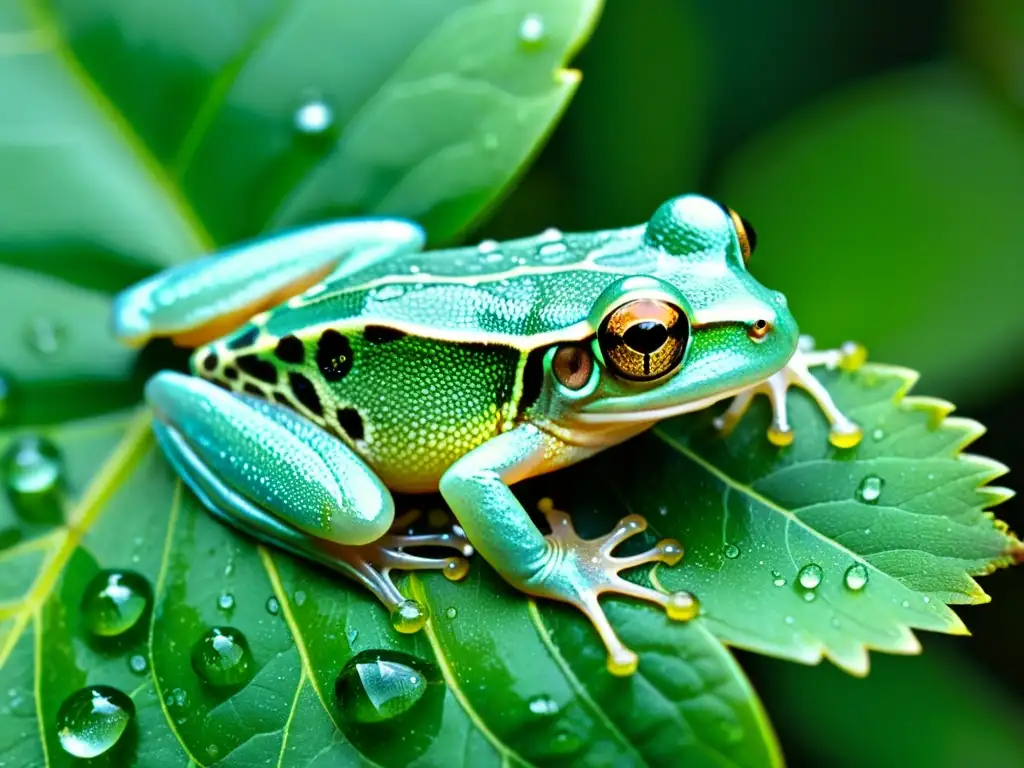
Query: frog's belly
pixel 412 407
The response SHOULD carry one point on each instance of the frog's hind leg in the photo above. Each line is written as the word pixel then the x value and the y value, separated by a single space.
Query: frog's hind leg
pixel 266 471
pixel 204 299
pixel 844 433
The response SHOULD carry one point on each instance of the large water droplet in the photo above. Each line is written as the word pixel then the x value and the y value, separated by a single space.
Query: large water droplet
pixel 870 489
pixel 731 551
pixel 222 657
pixel 810 576
pixel 137 663
pixel 531 29
pixel 33 474
pixel 44 336
pixel 313 118
pixel 93 719
pixel 856 577
pixel 114 602
pixel 376 686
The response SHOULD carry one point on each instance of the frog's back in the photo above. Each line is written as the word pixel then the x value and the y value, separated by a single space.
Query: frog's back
pixel 514 293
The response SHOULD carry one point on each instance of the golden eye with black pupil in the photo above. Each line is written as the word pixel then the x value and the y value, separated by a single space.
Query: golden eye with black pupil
pixel 759 329
pixel 645 339
pixel 746 233
pixel 572 366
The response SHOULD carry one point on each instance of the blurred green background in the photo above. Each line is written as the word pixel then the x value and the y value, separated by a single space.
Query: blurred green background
pixel 878 148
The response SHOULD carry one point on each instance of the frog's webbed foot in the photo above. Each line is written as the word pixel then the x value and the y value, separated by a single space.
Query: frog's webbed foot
pixel 844 433
pixel 579 570
pixel 371 565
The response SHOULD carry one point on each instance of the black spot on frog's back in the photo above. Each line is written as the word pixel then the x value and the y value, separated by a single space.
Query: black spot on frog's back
pixel 333 355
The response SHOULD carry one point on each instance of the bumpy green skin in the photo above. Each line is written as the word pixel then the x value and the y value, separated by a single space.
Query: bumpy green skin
pixel 434 370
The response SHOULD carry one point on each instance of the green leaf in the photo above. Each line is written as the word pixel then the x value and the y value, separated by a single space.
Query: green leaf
pixel 884 207
pixel 135 138
pixel 752 517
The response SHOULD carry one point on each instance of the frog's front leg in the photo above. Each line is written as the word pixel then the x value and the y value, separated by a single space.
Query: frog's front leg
pixel 560 565
pixel 203 299
pixel 276 476
pixel 844 433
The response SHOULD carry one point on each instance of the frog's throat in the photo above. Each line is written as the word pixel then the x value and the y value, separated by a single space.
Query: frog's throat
pixel 654 414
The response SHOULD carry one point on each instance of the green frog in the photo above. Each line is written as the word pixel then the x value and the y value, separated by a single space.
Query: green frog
pixel 339 362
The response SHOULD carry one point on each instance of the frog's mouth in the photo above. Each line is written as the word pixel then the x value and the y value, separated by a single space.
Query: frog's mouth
pixel 651 415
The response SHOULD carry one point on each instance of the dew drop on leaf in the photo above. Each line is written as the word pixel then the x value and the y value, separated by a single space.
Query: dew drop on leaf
pixel 870 489
pixel 92 720
pixel 543 705
pixel 731 551
pixel 376 686
pixel 531 30
pixel 226 601
pixel 452 612
pixel 222 657
pixel 878 435
pixel 33 478
pixel 273 606
pixel 777 579
pixel 810 576
pixel 114 601
pixel 137 663
pixel 313 118
pixel 856 577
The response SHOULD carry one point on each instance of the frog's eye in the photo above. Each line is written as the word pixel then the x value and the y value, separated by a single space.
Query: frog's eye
pixel 644 339
pixel 746 233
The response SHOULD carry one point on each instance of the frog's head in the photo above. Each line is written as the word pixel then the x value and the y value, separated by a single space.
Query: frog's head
pixel 692 330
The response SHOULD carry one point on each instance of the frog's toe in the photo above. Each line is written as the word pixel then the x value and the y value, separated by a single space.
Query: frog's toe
pixel 580 570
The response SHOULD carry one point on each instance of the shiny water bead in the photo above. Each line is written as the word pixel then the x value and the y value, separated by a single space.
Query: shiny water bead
pixel 377 686
pixel 409 616
pixel 856 577
pixel 33 478
pixel 114 601
pixel 93 719
pixel 222 658
pixel 870 489
pixel 531 30
pixel 810 576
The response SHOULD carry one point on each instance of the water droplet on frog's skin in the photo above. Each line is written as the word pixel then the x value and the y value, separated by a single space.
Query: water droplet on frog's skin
pixel 488 246
pixel 531 29
pixel 777 579
pixel 878 434
pixel 34 477
pixel 388 292
pixel 313 118
pixel 543 705
pixel 905 604
pixel 92 720
pixel 273 606
pixel 731 551
pixel 226 601
pixel 451 613
pixel 114 601
pixel 810 596
pixel 137 663
pixel 870 489
pixel 222 658
pixel 856 577
pixel 810 576
pixel 378 686
pixel 44 337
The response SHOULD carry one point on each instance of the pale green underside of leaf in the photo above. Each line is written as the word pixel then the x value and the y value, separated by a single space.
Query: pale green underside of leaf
pixel 500 651
pixel 135 137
